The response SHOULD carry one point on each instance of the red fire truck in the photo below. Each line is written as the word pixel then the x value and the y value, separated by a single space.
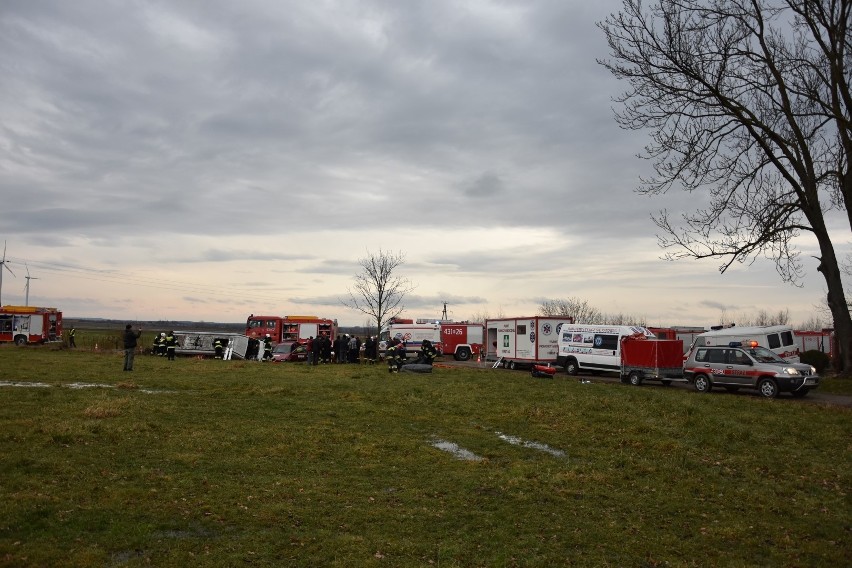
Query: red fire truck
pixel 462 340
pixel 30 324
pixel 290 328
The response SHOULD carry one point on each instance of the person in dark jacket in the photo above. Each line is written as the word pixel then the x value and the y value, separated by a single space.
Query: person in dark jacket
pixel 370 350
pixel 130 339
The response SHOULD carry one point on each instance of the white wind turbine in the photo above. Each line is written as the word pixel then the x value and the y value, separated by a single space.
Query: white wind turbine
pixel 2 266
pixel 28 277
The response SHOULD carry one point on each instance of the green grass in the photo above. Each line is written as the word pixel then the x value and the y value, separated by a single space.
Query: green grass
pixel 205 462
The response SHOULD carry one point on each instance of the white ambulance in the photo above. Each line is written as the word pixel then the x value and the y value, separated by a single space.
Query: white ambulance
pixel 595 348
pixel 777 338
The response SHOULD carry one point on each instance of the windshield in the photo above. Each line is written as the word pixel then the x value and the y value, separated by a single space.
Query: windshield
pixel 764 355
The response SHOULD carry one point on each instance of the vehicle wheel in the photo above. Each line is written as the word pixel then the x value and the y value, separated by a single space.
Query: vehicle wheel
pixel 702 383
pixel 801 393
pixel 666 382
pixel 634 378
pixel 768 388
pixel 732 388
pixel 20 340
pixel 463 354
pixel 512 365
pixel 504 364
pixel 571 367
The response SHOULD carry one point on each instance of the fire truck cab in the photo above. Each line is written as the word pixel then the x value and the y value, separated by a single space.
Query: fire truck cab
pixel 30 324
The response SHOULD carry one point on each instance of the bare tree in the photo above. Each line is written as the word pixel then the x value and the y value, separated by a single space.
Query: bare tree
pixel 378 291
pixel 762 317
pixel 750 101
pixel 580 310
pixel 583 312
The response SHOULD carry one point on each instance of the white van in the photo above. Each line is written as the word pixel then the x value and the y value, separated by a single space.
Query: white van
pixel 594 348
pixel 777 338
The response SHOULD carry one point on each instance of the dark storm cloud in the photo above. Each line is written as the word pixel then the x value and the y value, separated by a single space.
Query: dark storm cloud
pixel 199 109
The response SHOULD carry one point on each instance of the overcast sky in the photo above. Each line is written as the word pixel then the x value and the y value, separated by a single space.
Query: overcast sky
pixel 208 160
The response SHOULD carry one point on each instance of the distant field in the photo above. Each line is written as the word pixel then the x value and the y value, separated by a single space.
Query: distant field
pixel 205 462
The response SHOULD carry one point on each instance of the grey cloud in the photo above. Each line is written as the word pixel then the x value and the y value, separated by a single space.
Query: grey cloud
pixel 486 185
pixel 719 306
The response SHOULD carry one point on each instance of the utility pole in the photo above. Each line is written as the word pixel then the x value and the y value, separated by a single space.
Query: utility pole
pixel 444 315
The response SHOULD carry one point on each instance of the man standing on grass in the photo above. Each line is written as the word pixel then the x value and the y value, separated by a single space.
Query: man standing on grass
pixel 130 338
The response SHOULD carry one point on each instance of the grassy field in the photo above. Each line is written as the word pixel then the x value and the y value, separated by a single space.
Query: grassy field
pixel 214 463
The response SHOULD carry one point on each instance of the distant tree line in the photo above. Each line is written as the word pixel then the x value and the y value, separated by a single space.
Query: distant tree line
pixel 583 312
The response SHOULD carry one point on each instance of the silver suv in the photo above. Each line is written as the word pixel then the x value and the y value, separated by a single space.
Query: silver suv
pixel 737 366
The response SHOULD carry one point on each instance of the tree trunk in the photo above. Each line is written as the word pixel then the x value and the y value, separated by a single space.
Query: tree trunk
pixel 836 299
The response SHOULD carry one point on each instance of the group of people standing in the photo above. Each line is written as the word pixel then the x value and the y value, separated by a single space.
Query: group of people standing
pixel 343 349
pixel 165 345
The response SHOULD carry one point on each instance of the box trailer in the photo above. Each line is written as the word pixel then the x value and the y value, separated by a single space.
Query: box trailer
pixel 513 342
pixel 645 359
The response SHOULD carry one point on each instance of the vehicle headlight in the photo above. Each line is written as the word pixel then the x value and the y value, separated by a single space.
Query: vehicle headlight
pixel 792 371
pixel 813 370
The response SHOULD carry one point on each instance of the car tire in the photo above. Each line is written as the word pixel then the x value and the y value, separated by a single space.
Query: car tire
pixel 20 340
pixel 572 368
pixel 768 388
pixel 512 365
pixel 463 354
pixel 634 379
pixel 702 384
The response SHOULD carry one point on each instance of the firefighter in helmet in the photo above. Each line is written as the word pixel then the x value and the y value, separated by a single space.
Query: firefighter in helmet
pixel 217 347
pixel 427 353
pixel 267 347
pixel 390 355
pixel 171 345
pixel 401 354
